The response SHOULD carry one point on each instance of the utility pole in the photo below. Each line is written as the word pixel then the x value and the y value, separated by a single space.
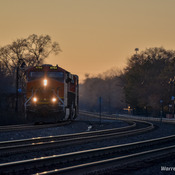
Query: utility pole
pixel 20 64
pixel 17 76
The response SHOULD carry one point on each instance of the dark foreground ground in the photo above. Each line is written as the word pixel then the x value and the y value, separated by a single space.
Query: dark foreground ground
pixel 83 124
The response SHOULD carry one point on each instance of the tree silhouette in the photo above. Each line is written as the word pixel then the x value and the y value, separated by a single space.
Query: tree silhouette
pixel 39 48
pixel 146 78
pixel 33 50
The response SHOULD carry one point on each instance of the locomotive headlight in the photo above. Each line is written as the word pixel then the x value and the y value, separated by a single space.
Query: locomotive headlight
pixel 34 99
pixel 45 82
pixel 54 99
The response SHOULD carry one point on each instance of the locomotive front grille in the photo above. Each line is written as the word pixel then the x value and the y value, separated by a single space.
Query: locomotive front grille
pixel 44 101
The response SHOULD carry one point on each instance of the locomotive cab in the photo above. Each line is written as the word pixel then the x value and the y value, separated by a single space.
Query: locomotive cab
pixel 51 94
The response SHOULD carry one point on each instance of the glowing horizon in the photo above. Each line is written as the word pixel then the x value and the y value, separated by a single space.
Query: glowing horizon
pixel 94 35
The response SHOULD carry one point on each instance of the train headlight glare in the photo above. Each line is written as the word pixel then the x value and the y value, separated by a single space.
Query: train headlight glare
pixel 54 99
pixel 45 82
pixel 35 99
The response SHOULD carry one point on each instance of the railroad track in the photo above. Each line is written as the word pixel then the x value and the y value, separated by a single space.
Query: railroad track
pixel 26 145
pixel 20 146
pixel 30 126
pixel 114 157
pixel 34 144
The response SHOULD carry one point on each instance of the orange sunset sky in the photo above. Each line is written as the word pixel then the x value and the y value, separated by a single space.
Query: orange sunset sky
pixel 94 35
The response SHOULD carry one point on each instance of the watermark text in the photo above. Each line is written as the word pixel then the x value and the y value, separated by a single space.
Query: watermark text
pixel 165 168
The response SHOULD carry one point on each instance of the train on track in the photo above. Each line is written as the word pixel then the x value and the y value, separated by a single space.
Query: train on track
pixel 52 94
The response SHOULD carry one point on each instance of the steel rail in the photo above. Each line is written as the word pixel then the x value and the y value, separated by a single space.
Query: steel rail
pixel 30 126
pixel 64 136
pixel 26 145
pixel 117 163
pixel 110 117
pixel 10 147
pixel 20 164
pixel 94 153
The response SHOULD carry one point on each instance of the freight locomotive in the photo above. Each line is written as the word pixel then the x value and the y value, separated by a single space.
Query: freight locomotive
pixel 52 94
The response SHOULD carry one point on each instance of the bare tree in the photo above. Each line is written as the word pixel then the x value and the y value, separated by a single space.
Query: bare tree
pixel 5 60
pixel 33 50
pixel 11 54
pixel 39 48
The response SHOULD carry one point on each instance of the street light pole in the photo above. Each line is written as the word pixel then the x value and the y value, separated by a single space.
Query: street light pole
pixel 17 77
pixel 136 49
